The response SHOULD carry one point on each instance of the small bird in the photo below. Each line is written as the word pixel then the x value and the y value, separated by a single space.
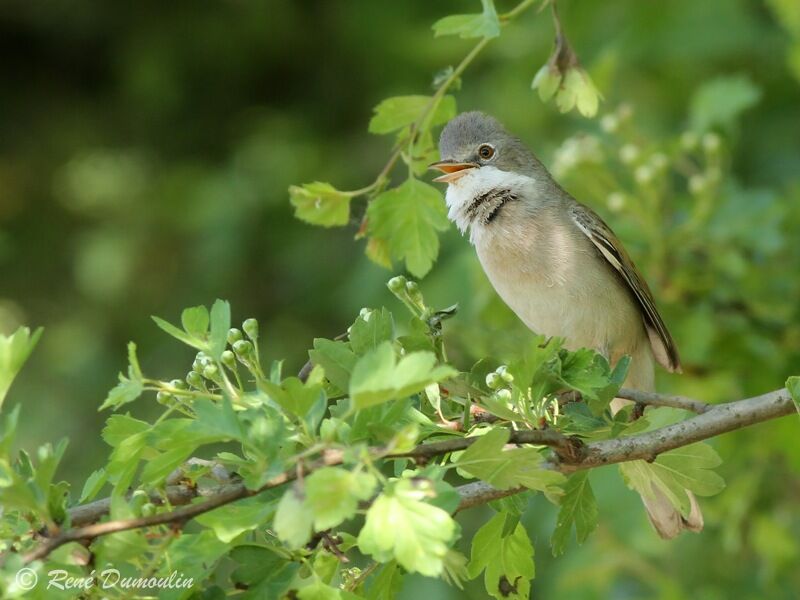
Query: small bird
pixel 556 264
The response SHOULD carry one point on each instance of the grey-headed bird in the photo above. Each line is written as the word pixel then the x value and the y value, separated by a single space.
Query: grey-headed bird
pixel 556 264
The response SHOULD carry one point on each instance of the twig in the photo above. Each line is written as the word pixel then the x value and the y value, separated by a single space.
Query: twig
pixel 653 399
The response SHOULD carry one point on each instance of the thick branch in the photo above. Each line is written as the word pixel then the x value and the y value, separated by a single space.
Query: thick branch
pixel 714 420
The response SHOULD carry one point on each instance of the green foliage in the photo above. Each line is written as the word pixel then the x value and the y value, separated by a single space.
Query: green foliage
pixel 721 101
pixel 502 550
pixel 320 203
pixel 485 24
pixel 408 218
pixel 321 456
pixel 674 472
pixel 14 351
pixel 578 508
pixel 379 377
pixel 400 525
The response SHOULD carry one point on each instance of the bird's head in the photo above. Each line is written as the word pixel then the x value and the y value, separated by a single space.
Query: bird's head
pixel 474 140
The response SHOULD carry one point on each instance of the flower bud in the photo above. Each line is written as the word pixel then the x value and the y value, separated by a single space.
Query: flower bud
pixel 711 142
pixel 148 509
pixel 234 335
pixel 397 284
pixel 609 123
pixel 659 161
pixel 504 394
pixel 250 327
pixel 625 111
pixel 493 381
pixel 502 370
pixel 194 379
pixel 546 81
pixel 628 154
pixel 412 287
pixel 228 359
pixel 178 384
pixel 243 348
pixel 211 372
pixel 164 398
pixel 615 201
pixel 643 175
pixel 697 184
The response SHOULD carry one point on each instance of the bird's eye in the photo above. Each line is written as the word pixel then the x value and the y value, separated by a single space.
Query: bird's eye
pixel 486 151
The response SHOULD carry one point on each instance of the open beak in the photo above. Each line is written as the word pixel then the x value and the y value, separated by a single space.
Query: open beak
pixel 452 170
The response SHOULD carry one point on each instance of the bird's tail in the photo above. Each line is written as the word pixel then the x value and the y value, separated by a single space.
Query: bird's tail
pixel 663 514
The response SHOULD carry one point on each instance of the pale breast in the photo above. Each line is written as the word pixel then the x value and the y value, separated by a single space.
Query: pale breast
pixel 551 276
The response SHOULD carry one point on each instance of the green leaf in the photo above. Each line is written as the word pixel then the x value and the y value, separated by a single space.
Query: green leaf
pixel 293 395
pixel 721 101
pixel 401 525
pixel 220 324
pixel 485 24
pixel 379 377
pixel 293 519
pixel 487 460
pixel 14 351
pixel 387 583
pixel 230 521
pixel 127 390
pixel 336 358
pixel 121 427
pixel 408 218
pixel 674 472
pixel 333 493
pixel 254 563
pixel 93 485
pixel 395 113
pixel 215 421
pixel 507 559
pixel 319 591
pixel 319 203
pixel 195 321
pixel 371 329
pixel 793 385
pixel 179 334
pixel 578 507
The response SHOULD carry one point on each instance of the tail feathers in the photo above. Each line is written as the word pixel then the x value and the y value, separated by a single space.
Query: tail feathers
pixel 666 519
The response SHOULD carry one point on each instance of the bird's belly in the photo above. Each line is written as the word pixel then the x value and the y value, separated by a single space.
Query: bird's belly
pixel 586 307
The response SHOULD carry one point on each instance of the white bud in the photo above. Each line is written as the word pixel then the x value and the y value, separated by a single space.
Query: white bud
pixel 643 174
pixel 697 183
pixel 659 161
pixel 609 123
pixel 628 153
pixel 493 381
pixel 504 394
pixel 615 201
pixel 625 111
pixel 711 142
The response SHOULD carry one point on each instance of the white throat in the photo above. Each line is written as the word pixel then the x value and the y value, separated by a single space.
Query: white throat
pixel 478 183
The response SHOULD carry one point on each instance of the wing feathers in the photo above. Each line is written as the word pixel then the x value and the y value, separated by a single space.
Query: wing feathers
pixel 664 349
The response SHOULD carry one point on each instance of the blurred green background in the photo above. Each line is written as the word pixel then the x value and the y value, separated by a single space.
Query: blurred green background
pixel 145 153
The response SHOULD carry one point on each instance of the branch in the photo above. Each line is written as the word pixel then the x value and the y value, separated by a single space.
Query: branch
pixel 653 399
pixel 715 420
pixel 571 455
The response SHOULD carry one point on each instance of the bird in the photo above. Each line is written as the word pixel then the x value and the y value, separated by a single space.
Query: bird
pixel 557 265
